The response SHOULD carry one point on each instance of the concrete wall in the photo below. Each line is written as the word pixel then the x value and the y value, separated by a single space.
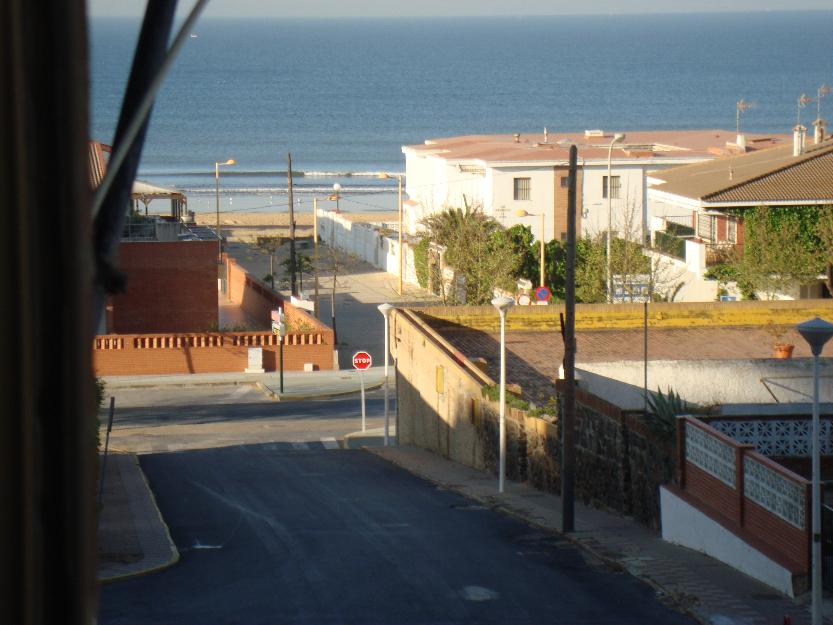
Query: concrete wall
pixel 708 382
pixel 367 242
pixel 684 524
pixel 619 464
pixel 171 287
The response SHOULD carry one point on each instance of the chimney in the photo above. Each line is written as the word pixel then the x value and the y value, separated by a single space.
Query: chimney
pixel 517 138
pixel 799 133
pixel 741 142
pixel 546 135
pixel 818 134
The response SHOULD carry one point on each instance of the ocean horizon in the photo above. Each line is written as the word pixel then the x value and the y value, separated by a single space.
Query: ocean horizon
pixel 343 95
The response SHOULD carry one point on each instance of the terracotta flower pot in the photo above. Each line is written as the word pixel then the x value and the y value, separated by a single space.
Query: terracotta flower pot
pixel 783 350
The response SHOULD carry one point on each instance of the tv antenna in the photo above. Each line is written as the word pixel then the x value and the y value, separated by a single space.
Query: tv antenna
pixel 822 91
pixel 741 107
pixel 803 100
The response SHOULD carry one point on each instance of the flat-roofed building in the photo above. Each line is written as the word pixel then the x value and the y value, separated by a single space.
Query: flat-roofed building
pixel 508 174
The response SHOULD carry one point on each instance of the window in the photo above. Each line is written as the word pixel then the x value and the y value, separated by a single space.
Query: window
pixel 565 182
pixel 523 188
pixel 615 187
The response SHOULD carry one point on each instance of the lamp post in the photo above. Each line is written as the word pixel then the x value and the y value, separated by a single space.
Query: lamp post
pixel 385 310
pixel 617 138
pixel 502 304
pixel 401 251
pixel 217 181
pixel 522 213
pixel 816 332
pixel 337 193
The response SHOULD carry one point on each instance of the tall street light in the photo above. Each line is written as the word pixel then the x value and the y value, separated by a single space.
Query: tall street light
pixel 337 194
pixel 617 138
pixel 816 332
pixel 522 213
pixel 502 304
pixel 385 310
pixel 217 180
pixel 401 251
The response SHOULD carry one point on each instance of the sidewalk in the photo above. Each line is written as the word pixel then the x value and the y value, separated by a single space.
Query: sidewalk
pixel 710 591
pixel 297 384
pixel 132 536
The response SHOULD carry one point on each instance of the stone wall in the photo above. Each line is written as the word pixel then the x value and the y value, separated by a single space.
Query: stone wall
pixel 619 463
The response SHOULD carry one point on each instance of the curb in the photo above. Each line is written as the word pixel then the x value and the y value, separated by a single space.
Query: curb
pixel 174 552
pixel 613 563
pixel 276 396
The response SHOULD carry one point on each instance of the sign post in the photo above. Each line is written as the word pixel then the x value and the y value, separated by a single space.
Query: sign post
pixel 361 362
pixel 279 329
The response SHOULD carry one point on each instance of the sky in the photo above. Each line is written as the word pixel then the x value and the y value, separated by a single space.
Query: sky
pixel 438 8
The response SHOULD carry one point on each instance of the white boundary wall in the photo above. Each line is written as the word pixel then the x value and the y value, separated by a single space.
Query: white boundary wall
pixel 683 524
pixel 708 382
pixel 366 242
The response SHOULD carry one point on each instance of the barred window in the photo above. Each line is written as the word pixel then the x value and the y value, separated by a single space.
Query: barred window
pixel 615 187
pixel 565 182
pixel 523 188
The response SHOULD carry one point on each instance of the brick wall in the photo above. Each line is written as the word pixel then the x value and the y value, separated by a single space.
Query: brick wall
pixel 160 354
pixel 729 505
pixel 171 287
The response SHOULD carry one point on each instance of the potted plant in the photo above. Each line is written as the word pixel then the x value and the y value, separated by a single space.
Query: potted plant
pixel 780 348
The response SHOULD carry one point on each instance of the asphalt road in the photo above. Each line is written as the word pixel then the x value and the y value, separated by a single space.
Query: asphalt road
pixel 175 419
pixel 271 535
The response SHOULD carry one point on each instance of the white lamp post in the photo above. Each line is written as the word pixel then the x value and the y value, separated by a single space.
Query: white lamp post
pixel 816 332
pixel 502 304
pixel 617 138
pixel 217 165
pixel 337 193
pixel 385 310
pixel 522 213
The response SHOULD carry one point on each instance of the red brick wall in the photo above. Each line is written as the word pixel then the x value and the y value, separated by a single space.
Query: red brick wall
pixel 712 491
pixel 758 526
pixel 148 354
pixel 171 287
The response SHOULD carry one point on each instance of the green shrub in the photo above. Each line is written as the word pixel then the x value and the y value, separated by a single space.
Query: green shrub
pixel 663 411
pixel 421 262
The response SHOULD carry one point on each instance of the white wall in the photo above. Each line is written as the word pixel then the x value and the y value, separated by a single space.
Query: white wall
pixel 504 207
pixel 364 241
pixel 683 524
pixel 628 207
pixel 707 382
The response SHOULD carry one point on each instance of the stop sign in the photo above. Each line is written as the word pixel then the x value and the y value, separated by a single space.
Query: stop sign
pixel 362 361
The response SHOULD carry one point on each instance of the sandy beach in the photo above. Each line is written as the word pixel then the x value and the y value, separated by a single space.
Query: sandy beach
pixel 247 226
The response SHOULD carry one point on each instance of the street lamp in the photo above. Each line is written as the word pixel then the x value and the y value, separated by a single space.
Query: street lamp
pixel 617 138
pixel 502 304
pixel 337 193
pixel 522 213
pixel 385 310
pixel 401 251
pixel 816 332
pixel 217 180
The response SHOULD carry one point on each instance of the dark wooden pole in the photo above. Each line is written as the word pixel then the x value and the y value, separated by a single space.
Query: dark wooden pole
pixel 293 286
pixel 568 453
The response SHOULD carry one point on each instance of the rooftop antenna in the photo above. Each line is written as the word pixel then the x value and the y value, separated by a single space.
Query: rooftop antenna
pixel 803 101
pixel 822 91
pixel 741 107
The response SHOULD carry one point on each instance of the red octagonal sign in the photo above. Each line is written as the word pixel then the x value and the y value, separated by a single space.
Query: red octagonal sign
pixel 362 361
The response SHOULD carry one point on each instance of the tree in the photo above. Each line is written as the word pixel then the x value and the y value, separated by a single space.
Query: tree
pixel 303 264
pixel 478 248
pixel 781 250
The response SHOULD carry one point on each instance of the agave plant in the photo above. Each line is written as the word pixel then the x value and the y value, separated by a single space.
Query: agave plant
pixel 663 410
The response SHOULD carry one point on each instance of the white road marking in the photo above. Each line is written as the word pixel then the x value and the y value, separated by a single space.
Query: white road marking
pixel 199 545
pixel 300 446
pixel 329 442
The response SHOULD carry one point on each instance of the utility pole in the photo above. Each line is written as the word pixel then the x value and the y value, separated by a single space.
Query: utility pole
pixel 568 454
pixel 293 286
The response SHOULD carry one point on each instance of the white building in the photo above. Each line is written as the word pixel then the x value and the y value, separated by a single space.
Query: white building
pixel 526 174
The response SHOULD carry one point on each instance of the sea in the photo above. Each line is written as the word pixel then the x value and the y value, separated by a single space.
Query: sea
pixel 344 95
